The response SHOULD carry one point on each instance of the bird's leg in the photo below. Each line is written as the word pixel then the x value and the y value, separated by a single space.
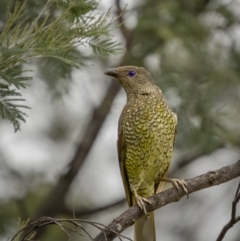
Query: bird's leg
pixel 176 183
pixel 140 201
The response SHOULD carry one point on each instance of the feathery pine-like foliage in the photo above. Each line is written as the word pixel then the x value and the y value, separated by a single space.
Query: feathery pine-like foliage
pixel 55 34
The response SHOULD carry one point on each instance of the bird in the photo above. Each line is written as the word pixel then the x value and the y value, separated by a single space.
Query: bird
pixel 146 134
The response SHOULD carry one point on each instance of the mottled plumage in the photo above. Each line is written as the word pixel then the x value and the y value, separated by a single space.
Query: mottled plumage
pixel 146 133
pixel 147 126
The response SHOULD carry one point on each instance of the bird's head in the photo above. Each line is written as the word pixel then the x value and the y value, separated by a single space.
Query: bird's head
pixel 135 80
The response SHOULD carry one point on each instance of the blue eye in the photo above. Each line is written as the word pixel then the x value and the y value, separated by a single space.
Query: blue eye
pixel 131 73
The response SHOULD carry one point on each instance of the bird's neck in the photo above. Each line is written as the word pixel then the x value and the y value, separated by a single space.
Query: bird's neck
pixel 133 95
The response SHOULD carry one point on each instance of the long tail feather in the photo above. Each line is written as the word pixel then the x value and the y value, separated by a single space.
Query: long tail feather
pixel 144 228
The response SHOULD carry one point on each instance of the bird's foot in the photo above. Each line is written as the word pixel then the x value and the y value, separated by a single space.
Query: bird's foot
pixel 140 202
pixel 176 183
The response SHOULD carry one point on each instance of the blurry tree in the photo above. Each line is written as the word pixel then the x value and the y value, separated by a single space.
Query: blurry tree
pixel 52 34
pixel 191 49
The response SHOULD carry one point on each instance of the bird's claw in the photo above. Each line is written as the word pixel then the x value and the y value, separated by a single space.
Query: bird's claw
pixel 179 182
pixel 140 202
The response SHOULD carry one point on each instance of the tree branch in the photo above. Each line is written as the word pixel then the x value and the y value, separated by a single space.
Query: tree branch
pixel 68 226
pixel 234 219
pixel 159 200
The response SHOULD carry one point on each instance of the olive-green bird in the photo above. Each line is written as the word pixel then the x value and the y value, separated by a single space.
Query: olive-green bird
pixel 146 133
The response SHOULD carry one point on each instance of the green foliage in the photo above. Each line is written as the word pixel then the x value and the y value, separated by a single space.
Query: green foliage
pixel 10 108
pixel 53 35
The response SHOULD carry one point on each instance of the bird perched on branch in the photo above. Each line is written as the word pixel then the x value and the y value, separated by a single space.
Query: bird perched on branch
pixel 146 133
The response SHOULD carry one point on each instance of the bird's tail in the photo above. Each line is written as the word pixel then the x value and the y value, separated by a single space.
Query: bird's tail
pixel 144 228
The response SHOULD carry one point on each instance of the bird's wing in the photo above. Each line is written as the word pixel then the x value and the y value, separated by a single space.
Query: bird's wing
pixel 122 157
pixel 159 186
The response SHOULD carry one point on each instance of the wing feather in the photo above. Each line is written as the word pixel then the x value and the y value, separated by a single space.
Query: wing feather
pixel 122 157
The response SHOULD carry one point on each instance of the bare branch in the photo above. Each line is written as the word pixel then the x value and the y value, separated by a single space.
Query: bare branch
pixel 234 219
pixel 72 225
pixel 159 200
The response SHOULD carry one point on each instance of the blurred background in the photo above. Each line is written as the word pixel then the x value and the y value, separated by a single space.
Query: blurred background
pixel 64 159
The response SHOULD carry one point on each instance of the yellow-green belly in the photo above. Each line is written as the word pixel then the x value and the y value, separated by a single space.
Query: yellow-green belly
pixel 149 130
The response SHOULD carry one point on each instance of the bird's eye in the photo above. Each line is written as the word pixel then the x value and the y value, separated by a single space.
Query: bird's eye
pixel 131 73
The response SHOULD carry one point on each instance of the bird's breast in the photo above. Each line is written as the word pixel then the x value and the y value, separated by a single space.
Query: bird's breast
pixel 148 118
pixel 149 129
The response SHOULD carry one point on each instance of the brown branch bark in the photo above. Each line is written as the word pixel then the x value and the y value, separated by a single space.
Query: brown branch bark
pixel 234 219
pixel 159 200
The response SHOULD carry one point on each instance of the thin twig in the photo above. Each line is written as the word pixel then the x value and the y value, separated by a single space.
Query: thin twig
pixel 46 221
pixel 82 228
pixel 234 219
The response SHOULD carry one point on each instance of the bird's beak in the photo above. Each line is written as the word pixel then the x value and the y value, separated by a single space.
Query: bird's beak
pixel 111 72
